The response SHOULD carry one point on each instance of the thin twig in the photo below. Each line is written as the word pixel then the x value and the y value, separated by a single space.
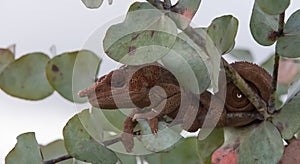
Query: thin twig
pixel 271 108
pixel 59 159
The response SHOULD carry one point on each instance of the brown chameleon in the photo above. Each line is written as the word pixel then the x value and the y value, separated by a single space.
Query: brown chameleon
pixel 155 89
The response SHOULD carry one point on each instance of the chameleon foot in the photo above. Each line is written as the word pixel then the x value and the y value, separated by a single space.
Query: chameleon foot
pixel 127 141
pixel 152 119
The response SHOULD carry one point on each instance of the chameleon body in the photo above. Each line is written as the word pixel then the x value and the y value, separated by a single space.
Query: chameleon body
pixel 154 88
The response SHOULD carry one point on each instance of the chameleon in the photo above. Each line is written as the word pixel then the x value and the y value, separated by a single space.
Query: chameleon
pixel 154 92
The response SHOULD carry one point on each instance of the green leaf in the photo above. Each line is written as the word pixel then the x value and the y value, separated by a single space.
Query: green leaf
pixel 25 78
pixel 185 62
pixel 287 121
pixel 207 146
pixel 126 159
pixel 233 136
pixel 6 57
pixel 273 7
pixel 92 4
pixel 26 151
pixel 289 45
pixel 54 150
pixel 165 138
pixel 214 57
pixel 140 6
pixel 189 60
pixel 144 37
pixel 71 72
pixel 81 143
pixel 240 55
pixel 263 145
pixel 185 151
pixel 185 11
pixel 263 26
pixel 223 31
pixel 115 118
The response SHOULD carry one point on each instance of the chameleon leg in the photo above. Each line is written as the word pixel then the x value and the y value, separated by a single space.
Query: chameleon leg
pixel 127 135
pixel 163 108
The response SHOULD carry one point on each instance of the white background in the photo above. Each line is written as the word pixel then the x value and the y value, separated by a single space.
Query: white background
pixel 36 25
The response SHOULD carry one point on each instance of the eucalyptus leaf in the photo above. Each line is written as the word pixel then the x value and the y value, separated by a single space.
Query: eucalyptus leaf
pixel 194 66
pixel 223 31
pixel 165 138
pixel 54 150
pixel 287 121
pixel 263 26
pixel 186 63
pixel 126 158
pixel 81 144
pixel 6 57
pixel 262 145
pixel 143 37
pixel 240 55
pixel 228 152
pixel 140 6
pixel 185 11
pixel 289 45
pixel 92 4
pixel 71 72
pixel 110 120
pixel 185 151
pixel 207 146
pixel 25 77
pixel 273 7
pixel 26 151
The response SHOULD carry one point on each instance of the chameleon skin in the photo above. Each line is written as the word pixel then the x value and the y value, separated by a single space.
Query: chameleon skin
pixel 153 87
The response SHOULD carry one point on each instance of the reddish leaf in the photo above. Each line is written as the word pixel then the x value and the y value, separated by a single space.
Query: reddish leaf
pixel 288 69
pixel 291 153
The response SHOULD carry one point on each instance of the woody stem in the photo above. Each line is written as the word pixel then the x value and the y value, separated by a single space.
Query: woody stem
pixel 271 108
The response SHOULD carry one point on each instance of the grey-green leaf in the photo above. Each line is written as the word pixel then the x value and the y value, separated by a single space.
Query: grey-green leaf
pixel 25 78
pixel 207 146
pixel 6 57
pixel 273 7
pixel 54 150
pixel 26 151
pixel 185 11
pixel 223 31
pixel 165 138
pixel 263 26
pixel 289 45
pixel 287 121
pixel 186 63
pixel 71 72
pixel 185 151
pixel 240 55
pixel 144 37
pixel 92 4
pixel 81 143
pixel 140 6
pixel 263 145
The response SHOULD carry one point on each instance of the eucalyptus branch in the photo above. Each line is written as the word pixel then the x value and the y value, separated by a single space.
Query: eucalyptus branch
pixel 271 107
pixel 59 159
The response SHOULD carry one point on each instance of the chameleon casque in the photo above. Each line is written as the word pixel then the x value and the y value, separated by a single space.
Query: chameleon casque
pixel 153 88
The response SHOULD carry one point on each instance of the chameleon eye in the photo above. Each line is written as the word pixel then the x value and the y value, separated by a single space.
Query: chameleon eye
pixel 118 79
pixel 239 95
